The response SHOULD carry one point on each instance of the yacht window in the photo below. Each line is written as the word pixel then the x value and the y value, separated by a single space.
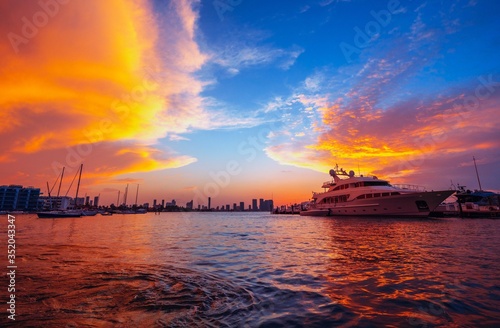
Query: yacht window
pixel 361 197
pixel 394 193
pixel 369 195
pixel 385 194
pixel 376 195
pixel 376 183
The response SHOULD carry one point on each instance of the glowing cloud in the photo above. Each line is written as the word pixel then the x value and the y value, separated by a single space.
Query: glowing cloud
pixel 91 75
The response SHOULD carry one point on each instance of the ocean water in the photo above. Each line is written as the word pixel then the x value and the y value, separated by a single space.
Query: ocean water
pixel 253 270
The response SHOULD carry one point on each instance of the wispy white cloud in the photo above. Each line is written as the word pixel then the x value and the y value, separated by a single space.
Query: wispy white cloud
pixel 236 57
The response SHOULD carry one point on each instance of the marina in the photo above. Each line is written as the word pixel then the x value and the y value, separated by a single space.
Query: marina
pixel 230 117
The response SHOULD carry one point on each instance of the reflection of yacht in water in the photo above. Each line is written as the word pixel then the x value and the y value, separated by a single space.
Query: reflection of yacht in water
pixel 370 196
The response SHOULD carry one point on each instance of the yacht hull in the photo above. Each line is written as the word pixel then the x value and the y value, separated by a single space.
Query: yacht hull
pixel 418 204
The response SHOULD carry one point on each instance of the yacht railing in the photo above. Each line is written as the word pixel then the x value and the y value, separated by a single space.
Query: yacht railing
pixel 409 187
pixel 326 184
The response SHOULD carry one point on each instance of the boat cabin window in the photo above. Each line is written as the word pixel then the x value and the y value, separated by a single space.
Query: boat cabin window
pixel 376 195
pixel 376 183
pixel 342 187
pixel 394 193
pixel 385 194
pixel 369 195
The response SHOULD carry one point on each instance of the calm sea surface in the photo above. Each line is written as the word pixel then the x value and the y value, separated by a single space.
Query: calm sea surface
pixel 253 270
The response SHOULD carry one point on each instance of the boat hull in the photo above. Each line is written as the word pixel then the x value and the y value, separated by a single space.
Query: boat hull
pixel 418 204
pixel 57 215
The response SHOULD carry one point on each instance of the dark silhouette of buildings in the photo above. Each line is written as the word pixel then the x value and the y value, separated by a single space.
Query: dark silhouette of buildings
pixel 17 198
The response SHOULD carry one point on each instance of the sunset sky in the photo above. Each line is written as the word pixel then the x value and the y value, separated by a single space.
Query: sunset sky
pixel 239 99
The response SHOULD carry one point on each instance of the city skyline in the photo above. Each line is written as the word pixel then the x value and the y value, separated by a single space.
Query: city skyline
pixel 234 99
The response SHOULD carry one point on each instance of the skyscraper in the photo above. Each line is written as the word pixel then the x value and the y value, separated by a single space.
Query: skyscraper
pixel 254 205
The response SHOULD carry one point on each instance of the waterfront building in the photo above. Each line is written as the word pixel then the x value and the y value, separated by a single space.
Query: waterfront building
pixel 15 197
pixel 56 202
pixel 80 201
pixel 242 206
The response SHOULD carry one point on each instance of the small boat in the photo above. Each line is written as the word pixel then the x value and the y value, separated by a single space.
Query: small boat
pixel 371 196
pixel 59 214
pixel 55 214
pixel 478 203
pixel 89 212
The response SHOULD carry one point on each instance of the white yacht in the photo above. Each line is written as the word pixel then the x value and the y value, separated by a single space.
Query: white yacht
pixel 370 196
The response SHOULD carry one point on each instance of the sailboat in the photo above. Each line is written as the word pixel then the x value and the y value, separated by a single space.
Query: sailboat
pixel 63 213
pixel 478 203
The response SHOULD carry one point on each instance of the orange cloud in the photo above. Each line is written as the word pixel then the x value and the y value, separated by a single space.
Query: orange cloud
pixel 92 74
pixel 400 141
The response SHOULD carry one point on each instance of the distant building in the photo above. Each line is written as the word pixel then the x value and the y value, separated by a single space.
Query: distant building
pixel 227 207
pixel 15 197
pixel 96 201
pixel 172 203
pixel 234 207
pixel 79 201
pixel 254 205
pixel 268 205
pixel 209 203
pixel 154 203
pixel 261 204
pixel 242 206
pixel 56 202
pixel 87 200
pixel 189 205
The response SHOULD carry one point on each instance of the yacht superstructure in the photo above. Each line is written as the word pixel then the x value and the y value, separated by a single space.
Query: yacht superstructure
pixel 370 196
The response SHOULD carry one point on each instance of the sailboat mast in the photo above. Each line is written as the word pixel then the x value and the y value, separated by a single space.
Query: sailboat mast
pixel 136 194
pixel 477 174
pixel 78 185
pixel 118 199
pixel 60 182
pixel 50 198
pixel 125 196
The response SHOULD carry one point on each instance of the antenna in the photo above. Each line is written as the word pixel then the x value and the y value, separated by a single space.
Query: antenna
pixel 477 174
